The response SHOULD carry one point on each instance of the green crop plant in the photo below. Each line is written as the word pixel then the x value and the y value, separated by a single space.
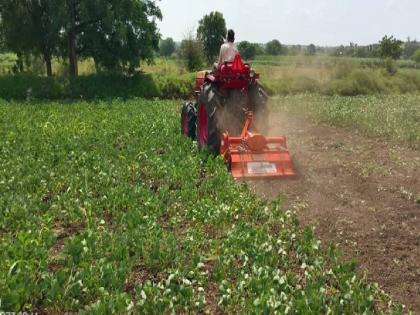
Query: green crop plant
pixel 106 208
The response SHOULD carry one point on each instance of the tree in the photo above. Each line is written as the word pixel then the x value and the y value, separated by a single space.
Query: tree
pixel 295 50
pixel 311 50
pixel 191 52
pixel 2 40
pixel 410 48
pixel 416 56
pixel 273 48
pixel 390 47
pixel 211 31
pixel 167 47
pixel 117 34
pixel 247 50
pixel 32 27
pixel 259 49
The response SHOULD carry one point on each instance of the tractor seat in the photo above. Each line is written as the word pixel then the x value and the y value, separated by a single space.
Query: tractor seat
pixel 237 66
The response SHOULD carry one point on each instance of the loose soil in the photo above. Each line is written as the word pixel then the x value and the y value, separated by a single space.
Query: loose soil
pixel 359 192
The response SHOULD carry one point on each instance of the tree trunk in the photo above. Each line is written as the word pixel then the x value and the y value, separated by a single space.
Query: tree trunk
pixel 73 69
pixel 49 67
pixel 97 66
pixel 48 64
pixel 19 62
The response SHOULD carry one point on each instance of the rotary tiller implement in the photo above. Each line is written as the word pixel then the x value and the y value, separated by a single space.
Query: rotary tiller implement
pixel 254 156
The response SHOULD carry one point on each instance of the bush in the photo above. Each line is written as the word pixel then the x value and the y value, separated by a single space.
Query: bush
pixel 343 69
pixel 311 50
pixel 191 52
pixel 173 86
pixel 390 66
pixel 101 86
pixel 358 82
pixel 390 47
pixel 408 81
pixel 273 48
pixel 416 56
pixel 247 50
pixel 167 47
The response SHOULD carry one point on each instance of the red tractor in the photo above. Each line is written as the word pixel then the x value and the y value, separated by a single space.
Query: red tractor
pixel 227 101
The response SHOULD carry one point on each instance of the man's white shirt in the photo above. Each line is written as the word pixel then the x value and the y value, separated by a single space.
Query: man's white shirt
pixel 228 52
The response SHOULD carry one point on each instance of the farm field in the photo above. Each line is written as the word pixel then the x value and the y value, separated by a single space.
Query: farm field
pixel 359 190
pixel 108 209
pixel 182 157
pixel 395 117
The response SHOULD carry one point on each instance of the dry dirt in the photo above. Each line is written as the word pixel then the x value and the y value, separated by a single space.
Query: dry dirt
pixel 361 193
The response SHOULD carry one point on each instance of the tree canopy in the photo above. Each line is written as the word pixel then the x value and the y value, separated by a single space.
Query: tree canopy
pixel 212 31
pixel 117 34
pixel 32 27
pixel 273 47
pixel 311 50
pixel 167 47
pixel 247 50
pixel 191 52
pixel 390 47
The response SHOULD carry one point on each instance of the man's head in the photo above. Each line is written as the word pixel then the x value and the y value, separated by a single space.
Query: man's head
pixel 231 36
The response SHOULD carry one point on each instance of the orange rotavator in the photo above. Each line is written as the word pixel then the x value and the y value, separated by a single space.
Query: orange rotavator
pixel 222 121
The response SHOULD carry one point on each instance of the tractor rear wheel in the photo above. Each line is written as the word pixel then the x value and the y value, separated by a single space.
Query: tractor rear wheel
pixel 208 133
pixel 258 104
pixel 188 120
pixel 233 114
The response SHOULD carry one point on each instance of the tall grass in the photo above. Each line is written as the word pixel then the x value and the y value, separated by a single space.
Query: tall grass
pixel 343 79
pixel 392 116
pixel 326 61
pixel 7 61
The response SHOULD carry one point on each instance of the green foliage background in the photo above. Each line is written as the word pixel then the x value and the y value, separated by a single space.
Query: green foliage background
pixel 247 50
pixel 390 47
pixel 212 31
pixel 117 34
pixel 96 87
pixel 273 48
pixel 167 47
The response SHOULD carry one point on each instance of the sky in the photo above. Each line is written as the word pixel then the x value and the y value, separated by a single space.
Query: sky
pixel 321 22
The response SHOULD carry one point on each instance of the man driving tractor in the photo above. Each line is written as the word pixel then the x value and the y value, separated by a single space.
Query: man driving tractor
pixel 227 114
pixel 228 50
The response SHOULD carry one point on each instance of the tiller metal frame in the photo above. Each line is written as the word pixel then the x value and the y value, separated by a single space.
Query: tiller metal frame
pixel 255 156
